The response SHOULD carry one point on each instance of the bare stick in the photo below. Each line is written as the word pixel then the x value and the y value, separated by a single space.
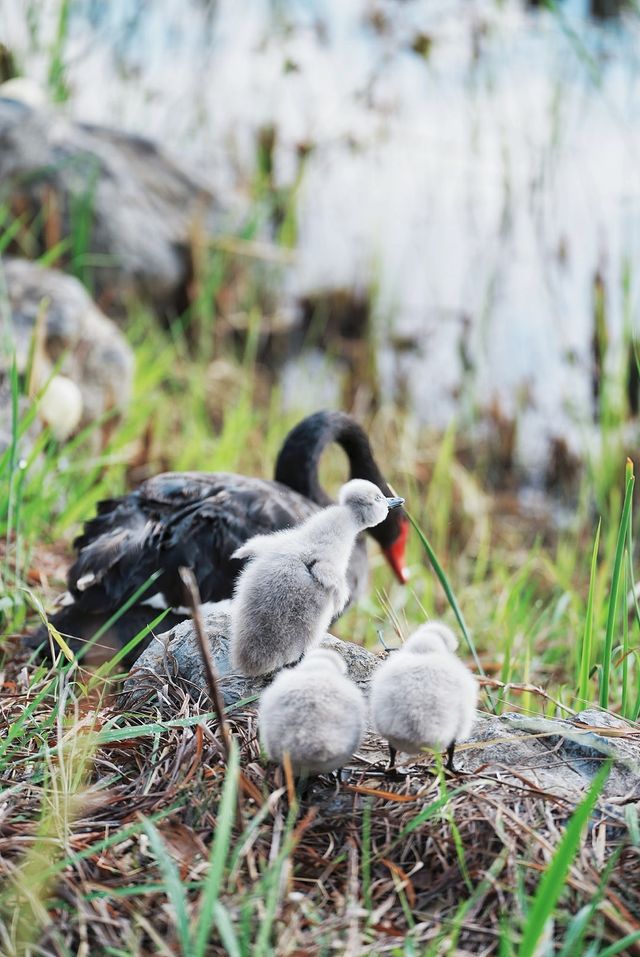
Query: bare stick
pixel 193 596
pixel 288 776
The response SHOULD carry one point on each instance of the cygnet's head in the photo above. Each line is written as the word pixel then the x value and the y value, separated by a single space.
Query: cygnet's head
pixel 369 505
pixel 323 657
pixel 430 637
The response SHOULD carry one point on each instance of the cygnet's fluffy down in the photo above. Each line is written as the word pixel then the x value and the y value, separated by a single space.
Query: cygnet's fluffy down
pixel 422 695
pixel 295 582
pixel 313 712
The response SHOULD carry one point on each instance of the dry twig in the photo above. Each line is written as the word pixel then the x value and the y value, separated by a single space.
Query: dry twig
pixel 193 596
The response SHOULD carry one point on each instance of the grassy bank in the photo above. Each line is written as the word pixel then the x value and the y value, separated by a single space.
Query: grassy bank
pixel 120 832
pixel 130 833
pixel 545 586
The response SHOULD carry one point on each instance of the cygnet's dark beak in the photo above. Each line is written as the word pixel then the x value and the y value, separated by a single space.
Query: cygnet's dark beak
pixel 395 502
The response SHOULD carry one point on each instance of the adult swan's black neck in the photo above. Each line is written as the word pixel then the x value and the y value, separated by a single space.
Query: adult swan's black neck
pixel 299 459
pixel 298 463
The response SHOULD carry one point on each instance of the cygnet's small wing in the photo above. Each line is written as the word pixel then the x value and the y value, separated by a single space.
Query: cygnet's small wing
pixel 330 580
pixel 197 519
pixel 257 545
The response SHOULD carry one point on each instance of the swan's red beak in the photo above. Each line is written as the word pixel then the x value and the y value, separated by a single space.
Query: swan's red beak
pixel 395 553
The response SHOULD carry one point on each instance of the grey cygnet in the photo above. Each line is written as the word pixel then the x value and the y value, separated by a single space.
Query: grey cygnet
pixel 314 713
pixel 295 582
pixel 423 695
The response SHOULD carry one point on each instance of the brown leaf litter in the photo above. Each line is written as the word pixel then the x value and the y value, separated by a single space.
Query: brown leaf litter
pixel 372 859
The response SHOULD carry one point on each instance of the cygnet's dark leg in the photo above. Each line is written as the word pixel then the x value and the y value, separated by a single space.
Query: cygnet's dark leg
pixel 302 787
pixel 391 771
pixel 450 752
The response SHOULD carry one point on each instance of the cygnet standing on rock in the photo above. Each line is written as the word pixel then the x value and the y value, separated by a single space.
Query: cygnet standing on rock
pixel 295 582
pixel 314 713
pixel 423 695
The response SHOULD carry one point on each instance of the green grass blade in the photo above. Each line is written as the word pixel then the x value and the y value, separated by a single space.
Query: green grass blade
pixel 108 666
pixel 11 231
pixel 252 827
pixel 448 590
pixel 172 883
pixel 623 532
pixel 552 882
pixel 625 646
pixel 270 887
pixel 119 613
pixel 427 812
pixel 16 728
pixel 226 930
pixel 573 944
pixel 12 458
pixel 56 78
pixel 365 857
pixel 130 732
pixel 451 598
pixel 449 937
pixel 113 839
pixel 620 946
pixel 50 257
pixel 219 852
pixel 271 894
pixel 587 638
pixel 632 580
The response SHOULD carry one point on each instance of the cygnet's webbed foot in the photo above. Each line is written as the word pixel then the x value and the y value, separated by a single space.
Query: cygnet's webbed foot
pixel 391 771
pixel 450 753
pixel 339 775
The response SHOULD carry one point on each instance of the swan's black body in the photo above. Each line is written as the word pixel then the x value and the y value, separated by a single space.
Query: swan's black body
pixel 199 519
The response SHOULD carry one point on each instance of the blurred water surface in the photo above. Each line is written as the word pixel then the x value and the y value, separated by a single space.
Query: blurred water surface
pixel 473 163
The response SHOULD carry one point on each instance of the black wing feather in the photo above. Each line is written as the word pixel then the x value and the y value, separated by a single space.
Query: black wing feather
pixel 194 519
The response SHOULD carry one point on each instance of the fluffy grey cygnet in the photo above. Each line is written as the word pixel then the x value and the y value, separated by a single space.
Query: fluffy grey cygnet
pixel 423 695
pixel 295 582
pixel 313 712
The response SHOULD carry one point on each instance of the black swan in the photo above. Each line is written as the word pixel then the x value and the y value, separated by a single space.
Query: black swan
pixel 199 519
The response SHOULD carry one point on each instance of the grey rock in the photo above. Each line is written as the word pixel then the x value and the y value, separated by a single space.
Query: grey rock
pixel 176 654
pixel 546 757
pixel 140 207
pixel 556 756
pixel 76 338
pixel 559 756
